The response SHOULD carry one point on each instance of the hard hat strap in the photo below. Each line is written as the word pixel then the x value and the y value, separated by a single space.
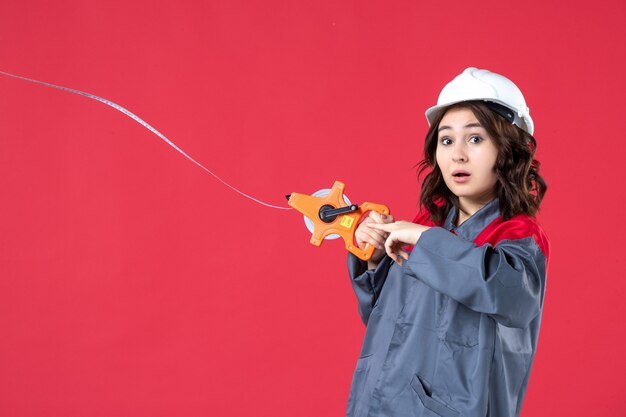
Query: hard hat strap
pixel 503 111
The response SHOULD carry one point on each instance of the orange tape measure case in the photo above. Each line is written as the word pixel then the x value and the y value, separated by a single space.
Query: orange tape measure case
pixel 332 215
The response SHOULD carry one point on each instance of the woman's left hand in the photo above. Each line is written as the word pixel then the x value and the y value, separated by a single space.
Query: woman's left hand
pixel 401 234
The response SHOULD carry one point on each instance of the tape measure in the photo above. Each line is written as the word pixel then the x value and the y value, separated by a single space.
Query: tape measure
pixel 328 214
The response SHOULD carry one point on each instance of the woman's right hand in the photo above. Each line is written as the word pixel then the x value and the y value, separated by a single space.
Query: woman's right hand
pixel 365 234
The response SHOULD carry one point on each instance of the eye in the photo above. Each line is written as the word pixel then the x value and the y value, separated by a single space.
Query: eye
pixel 445 141
pixel 475 139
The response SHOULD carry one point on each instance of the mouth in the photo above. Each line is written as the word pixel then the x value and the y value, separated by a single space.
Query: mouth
pixel 460 176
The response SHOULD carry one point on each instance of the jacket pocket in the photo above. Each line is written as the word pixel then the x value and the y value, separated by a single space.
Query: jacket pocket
pixel 356 398
pixel 428 401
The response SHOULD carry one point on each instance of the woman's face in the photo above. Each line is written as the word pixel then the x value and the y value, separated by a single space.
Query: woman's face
pixel 466 155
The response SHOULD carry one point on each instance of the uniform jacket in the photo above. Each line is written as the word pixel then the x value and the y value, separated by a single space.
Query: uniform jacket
pixel 453 331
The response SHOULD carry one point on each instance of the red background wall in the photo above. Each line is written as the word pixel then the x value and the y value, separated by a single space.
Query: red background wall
pixel 134 284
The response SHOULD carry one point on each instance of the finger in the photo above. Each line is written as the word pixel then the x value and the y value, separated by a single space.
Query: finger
pixel 377 217
pixel 372 231
pixel 371 237
pixel 376 241
pixel 395 258
pixel 395 249
pixel 387 227
pixel 401 256
pixel 389 246
pixel 367 219
pixel 366 234
pixel 374 216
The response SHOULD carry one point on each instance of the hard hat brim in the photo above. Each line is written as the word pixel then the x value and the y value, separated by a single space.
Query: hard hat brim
pixel 524 122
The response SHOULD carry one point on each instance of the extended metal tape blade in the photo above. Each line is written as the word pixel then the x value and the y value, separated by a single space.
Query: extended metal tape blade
pixel 309 223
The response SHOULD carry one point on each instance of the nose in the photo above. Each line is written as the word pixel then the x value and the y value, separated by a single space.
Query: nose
pixel 459 153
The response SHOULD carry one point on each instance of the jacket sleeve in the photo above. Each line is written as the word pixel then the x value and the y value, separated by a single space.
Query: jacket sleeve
pixel 367 284
pixel 506 281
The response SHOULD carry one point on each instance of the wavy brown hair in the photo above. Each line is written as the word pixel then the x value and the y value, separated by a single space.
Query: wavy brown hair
pixel 519 189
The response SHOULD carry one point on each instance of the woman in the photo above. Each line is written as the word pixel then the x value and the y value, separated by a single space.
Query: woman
pixel 452 301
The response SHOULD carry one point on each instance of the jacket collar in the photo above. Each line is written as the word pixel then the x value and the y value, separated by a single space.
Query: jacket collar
pixel 471 227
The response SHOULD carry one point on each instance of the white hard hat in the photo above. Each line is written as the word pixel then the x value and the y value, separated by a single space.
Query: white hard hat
pixel 480 84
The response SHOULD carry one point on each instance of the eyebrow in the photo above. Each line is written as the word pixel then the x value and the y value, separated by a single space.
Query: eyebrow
pixel 467 126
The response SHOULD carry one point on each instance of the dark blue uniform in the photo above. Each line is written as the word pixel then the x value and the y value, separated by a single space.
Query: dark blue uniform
pixel 452 332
